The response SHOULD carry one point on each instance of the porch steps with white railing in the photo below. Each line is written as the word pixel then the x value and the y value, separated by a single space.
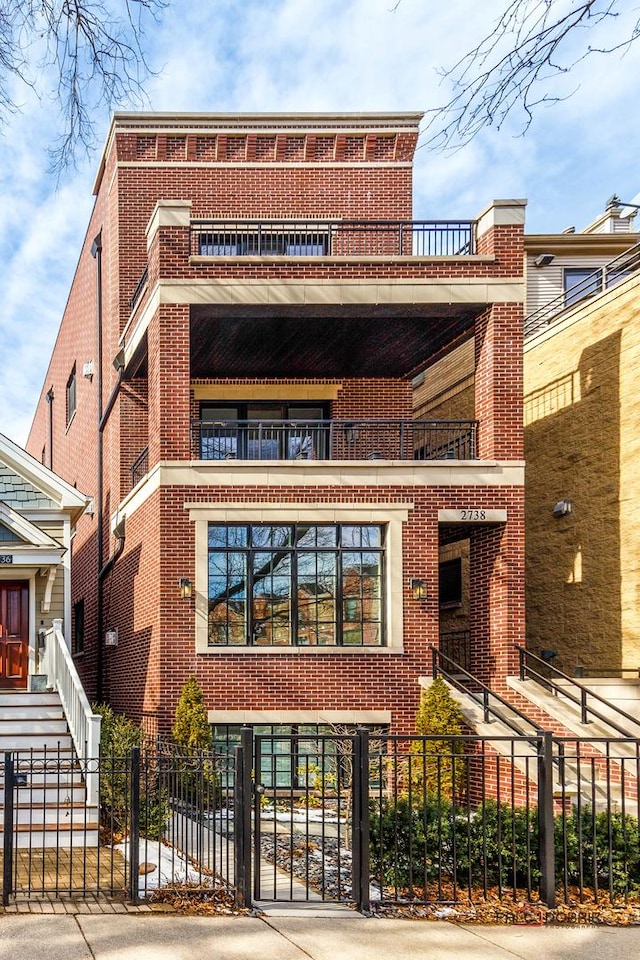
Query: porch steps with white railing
pixel 50 795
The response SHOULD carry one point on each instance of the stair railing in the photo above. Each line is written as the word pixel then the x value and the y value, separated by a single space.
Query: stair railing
pixel 84 725
pixel 571 689
pixel 488 699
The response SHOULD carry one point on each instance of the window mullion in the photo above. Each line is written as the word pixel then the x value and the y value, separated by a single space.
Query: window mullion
pixel 294 587
pixel 250 623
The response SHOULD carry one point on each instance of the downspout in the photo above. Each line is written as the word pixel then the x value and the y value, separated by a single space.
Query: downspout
pixel 103 416
pixel 96 253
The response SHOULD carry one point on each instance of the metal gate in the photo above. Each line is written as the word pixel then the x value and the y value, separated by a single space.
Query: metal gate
pixel 301 823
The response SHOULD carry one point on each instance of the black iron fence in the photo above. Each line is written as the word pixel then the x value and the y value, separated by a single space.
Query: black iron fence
pixel 334 439
pixel 341 238
pixel 352 816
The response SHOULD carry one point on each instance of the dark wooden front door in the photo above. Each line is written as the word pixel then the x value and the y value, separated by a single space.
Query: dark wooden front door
pixel 14 634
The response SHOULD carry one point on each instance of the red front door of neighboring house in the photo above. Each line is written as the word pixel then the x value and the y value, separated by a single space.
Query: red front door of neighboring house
pixel 14 634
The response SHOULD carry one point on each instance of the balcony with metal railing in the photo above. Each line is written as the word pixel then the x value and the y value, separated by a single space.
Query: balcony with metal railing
pixel 334 440
pixel 612 273
pixel 327 238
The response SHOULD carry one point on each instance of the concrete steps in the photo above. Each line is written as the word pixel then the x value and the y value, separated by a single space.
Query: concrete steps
pixel 49 796
pixel 600 773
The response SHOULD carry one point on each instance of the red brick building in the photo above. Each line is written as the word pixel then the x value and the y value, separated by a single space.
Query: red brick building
pixel 232 382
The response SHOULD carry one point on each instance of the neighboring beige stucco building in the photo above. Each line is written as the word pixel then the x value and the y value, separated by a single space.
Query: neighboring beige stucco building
pixel 582 446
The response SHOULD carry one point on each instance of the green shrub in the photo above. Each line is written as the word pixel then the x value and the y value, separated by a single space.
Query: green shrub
pixel 197 781
pixel 601 850
pixel 118 737
pixel 495 844
pixel 437 764
pixel 415 844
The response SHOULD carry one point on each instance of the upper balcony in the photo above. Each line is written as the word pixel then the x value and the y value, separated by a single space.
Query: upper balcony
pixel 340 238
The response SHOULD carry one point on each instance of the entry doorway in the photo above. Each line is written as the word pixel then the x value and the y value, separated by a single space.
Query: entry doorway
pixel 14 634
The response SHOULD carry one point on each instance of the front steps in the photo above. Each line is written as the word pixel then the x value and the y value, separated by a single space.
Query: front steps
pixel 49 796
pixel 601 774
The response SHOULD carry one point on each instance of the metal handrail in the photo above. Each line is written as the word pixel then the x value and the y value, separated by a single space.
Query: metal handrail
pixel 137 293
pixel 319 238
pixel 601 279
pixel 579 699
pixel 482 698
pixel 334 439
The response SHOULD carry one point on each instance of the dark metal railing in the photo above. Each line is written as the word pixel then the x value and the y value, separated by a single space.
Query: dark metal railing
pixel 137 293
pixel 326 238
pixel 355 815
pixel 456 644
pixel 140 466
pixel 536 668
pixel 494 707
pixel 601 279
pixel 334 439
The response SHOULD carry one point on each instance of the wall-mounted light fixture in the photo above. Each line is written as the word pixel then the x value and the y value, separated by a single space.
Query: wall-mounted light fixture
pixel 185 586
pixel 544 259
pixel 111 637
pixel 562 508
pixel 118 360
pixel 418 589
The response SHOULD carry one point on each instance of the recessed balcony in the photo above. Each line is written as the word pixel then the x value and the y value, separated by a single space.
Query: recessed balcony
pixel 334 440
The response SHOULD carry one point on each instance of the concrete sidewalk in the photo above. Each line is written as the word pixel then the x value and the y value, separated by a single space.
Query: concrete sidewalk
pixel 171 937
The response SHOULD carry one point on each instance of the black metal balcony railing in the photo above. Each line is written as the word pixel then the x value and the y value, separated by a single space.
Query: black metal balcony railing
pixel 334 440
pixel 601 279
pixel 342 238
pixel 140 466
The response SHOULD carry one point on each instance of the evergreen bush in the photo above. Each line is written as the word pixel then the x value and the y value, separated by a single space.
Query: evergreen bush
pixel 197 782
pixel 118 736
pixel 437 764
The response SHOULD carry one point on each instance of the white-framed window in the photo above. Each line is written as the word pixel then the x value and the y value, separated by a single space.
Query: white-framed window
pixel 320 578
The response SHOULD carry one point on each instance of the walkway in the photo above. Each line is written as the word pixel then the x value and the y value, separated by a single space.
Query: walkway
pixel 170 937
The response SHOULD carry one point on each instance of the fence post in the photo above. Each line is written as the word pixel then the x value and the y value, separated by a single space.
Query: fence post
pixel 545 821
pixel 361 822
pixel 134 825
pixel 242 818
pixel 7 840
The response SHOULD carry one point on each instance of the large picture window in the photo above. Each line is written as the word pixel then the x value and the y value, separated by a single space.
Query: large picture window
pixel 295 585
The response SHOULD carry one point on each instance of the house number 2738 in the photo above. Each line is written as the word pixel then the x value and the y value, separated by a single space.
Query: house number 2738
pixel 473 514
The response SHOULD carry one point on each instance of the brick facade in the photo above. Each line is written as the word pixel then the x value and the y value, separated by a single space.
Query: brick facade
pixel 205 312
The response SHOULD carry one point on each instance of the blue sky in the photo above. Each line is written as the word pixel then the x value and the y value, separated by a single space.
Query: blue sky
pixel 310 55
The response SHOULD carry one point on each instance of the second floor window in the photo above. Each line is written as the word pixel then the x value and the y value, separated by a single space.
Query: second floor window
pixel 71 395
pixel 78 627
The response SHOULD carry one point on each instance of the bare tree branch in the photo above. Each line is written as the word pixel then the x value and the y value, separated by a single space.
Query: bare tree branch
pixel 514 66
pixel 96 50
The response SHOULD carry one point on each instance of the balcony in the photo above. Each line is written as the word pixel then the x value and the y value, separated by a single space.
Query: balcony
pixel 614 272
pixel 334 440
pixel 341 238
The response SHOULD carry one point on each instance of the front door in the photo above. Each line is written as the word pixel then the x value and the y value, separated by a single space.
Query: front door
pixel 14 634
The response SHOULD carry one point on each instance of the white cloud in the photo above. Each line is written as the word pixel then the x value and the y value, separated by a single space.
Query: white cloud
pixel 305 55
